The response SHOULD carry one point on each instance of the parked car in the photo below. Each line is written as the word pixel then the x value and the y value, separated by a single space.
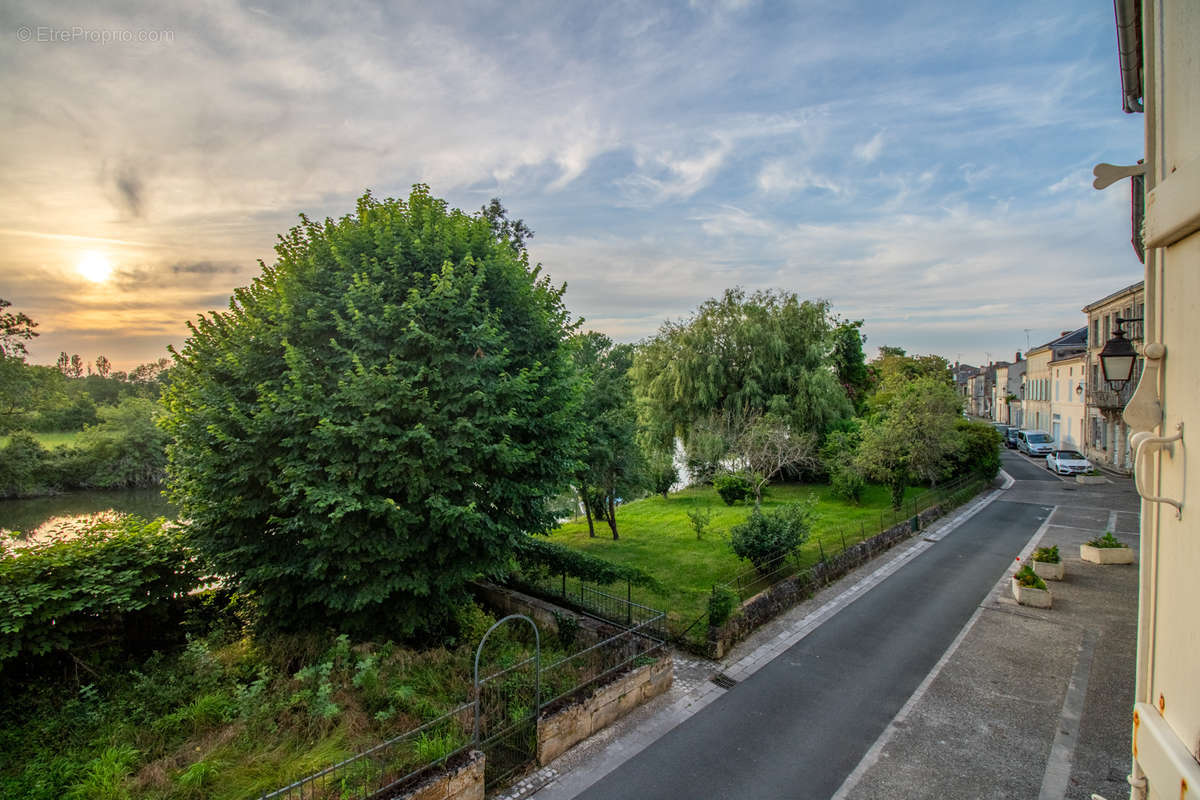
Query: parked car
pixel 1068 462
pixel 1035 443
pixel 1002 429
pixel 1010 438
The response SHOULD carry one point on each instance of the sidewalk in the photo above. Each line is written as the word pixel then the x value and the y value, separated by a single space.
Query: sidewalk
pixel 1026 703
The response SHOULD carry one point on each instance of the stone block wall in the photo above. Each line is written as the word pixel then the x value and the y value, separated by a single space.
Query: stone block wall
pixel 464 782
pixel 560 731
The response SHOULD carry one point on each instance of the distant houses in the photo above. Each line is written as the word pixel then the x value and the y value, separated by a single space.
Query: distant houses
pixel 1057 387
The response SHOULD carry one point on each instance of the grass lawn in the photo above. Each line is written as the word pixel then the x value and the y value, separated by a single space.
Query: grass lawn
pixel 50 440
pixel 657 537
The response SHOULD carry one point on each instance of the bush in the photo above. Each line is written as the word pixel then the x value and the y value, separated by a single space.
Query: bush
pixel 113 577
pixel 661 474
pixel 700 518
pixel 847 483
pixel 22 466
pixel 1107 540
pixel 721 605
pixel 766 537
pixel 976 449
pixel 733 486
pixel 1047 555
pixel 1027 577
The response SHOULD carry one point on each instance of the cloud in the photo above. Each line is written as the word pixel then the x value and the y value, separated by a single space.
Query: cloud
pixel 871 149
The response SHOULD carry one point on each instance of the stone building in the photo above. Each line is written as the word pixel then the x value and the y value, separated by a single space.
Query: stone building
pixel 1108 436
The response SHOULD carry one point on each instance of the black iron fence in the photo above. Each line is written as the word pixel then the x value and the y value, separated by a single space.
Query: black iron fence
pixel 603 604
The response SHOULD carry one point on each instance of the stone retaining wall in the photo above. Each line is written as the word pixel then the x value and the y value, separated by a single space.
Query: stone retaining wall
pixel 462 783
pixel 770 603
pixel 510 601
pixel 560 731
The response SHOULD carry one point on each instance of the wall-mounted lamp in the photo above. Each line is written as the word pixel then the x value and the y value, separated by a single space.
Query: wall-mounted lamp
pixel 1118 357
pixel 1079 388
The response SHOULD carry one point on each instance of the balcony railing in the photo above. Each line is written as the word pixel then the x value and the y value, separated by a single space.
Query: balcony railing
pixel 1108 400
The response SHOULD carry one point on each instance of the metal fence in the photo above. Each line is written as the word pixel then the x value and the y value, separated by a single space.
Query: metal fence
pixel 501 719
pixel 596 602
pixel 389 765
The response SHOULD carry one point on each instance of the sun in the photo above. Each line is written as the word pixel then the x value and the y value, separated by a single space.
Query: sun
pixel 94 267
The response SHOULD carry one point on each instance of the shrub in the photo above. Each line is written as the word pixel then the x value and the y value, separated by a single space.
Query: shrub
pixel 1107 540
pixel 721 605
pixel 977 449
pixel 700 518
pixel 661 474
pixel 733 486
pixel 1047 555
pixel 847 483
pixel 1027 577
pixel 114 575
pixel 567 626
pixel 766 537
pixel 22 463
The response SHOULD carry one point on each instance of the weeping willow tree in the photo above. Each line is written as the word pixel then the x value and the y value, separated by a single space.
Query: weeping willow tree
pixel 738 357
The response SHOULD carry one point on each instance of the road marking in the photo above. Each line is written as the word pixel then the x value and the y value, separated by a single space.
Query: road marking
pixel 1112 522
pixel 873 754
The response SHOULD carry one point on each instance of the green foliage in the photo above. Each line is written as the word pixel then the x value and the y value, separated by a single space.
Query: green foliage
pixel 376 419
pixel 612 463
pixel 700 518
pixel 15 330
pixel 849 361
pixel 22 465
pixel 1107 540
pixel 1027 577
pixel 1048 555
pixel 127 448
pixel 105 775
pixel 535 554
pixel 894 369
pixel 977 449
pixel 567 627
pixel 661 473
pixel 767 536
pixel 740 354
pixel 911 437
pixel 733 486
pixel 721 605
pixel 436 745
pixel 63 594
pixel 847 483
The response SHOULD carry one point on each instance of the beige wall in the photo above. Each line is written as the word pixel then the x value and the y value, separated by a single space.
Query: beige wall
pixel 1168 692
pixel 1038 390
pixel 1067 409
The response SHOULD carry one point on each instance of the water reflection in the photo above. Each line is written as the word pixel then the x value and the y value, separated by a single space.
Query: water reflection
pixel 61 514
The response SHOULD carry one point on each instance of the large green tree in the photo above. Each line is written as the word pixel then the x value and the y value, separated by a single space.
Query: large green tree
pixel 613 464
pixel 377 418
pixel 912 438
pixel 740 355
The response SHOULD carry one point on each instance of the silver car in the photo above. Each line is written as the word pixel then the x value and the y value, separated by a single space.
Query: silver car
pixel 1068 462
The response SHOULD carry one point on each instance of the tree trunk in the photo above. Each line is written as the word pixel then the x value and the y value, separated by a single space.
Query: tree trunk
pixel 587 509
pixel 897 494
pixel 612 515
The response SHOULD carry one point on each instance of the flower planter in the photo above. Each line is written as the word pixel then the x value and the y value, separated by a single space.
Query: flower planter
pixel 1106 555
pixel 1086 479
pixel 1029 596
pixel 1049 570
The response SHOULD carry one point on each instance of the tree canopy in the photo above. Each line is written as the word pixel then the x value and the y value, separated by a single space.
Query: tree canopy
pixel 377 417
pixel 738 355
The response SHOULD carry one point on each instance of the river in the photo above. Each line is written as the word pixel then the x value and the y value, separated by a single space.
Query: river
pixel 73 508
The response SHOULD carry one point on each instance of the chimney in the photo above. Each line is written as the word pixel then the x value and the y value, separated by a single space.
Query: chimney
pixel 1018 358
pixel 1064 333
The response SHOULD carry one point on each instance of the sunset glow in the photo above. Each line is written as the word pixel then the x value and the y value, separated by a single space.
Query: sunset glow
pixel 94 267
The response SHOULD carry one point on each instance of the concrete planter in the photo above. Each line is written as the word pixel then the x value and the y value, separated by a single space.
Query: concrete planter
pixel 1049 571
pixel 1029 596
pixel 1087 479
pixel 1106 555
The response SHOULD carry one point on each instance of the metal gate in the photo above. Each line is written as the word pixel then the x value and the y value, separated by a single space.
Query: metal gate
pixel 507 704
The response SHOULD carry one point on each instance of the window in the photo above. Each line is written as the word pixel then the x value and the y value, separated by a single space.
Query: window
pixel 1096 331
pixel 1107 329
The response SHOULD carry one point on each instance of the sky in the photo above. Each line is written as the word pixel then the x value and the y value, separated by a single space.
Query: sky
pixel 923 166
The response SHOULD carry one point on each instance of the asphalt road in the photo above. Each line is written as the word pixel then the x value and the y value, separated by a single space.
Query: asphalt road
pixel 799 726
pixel 1026 468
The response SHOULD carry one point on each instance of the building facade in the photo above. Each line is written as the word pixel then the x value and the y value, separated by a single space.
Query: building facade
pixel 1067 408
pixel 1107 441
pixel 1159 56
pixel 1037 393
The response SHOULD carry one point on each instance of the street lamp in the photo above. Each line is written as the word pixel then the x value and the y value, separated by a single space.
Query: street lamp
pixel 1118 357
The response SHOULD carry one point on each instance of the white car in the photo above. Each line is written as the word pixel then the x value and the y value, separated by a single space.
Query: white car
pixel 1068 462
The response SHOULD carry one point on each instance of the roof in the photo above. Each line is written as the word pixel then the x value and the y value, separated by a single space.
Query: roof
pixel 1076 338
pixel 1129 52
pixel 1132 288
